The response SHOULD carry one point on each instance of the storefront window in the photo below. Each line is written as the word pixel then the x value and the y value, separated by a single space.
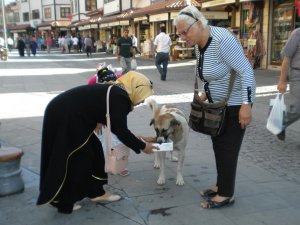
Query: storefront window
pixel 283 17
pixel 251 14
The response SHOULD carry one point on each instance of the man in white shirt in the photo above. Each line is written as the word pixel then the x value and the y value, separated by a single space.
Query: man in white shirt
pixel 135 43
pixel 162 45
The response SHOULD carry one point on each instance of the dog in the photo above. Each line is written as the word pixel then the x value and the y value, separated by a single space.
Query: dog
pixel 170 124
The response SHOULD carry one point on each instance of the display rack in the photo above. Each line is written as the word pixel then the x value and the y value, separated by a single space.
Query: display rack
pixel 183 50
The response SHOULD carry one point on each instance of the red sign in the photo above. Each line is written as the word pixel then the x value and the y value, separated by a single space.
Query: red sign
pixel 70 16
pixel 297 3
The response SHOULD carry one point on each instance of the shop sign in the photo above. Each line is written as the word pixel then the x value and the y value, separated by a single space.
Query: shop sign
pixel 158 17
pixel 18 31
pixel 45 28
pixel 85 27
pixel 210 15
pixel 217 3
pixel 140 18
pixel 251 42
pixel 103 25
pixel 124 22
pixel 173 15
pixel 113 24
pixel 94 26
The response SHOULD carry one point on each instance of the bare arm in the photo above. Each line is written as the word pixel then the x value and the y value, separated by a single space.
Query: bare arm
pixel 282 83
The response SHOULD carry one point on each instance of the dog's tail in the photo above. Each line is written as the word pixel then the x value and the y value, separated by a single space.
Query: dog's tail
pixel 152 104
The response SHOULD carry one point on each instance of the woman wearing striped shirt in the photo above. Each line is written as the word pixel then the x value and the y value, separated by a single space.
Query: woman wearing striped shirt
pixel 218 52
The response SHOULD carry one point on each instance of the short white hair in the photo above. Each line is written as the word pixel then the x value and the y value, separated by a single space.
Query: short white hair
pixel 190 14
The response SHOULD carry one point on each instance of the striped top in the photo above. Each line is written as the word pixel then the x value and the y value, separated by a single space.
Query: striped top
pixel 222 54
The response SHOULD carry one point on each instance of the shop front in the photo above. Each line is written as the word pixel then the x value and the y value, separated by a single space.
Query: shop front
pixel 286 18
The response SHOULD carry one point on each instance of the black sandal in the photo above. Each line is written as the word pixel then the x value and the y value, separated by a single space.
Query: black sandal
pixel 210 204
pixel 208 193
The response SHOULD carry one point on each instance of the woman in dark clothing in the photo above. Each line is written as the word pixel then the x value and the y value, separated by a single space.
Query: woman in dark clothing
pixel 21 46
pixel 72 160
pixel 33 46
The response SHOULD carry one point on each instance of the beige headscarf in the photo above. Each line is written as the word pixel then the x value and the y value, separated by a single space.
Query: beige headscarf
pixel 137 85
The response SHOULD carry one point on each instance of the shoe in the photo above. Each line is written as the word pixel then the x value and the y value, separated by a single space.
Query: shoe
pixel 107 197
pixel 124 173
pixel 208 193
pixel 63 208
pixel 281 135
pixel 210 204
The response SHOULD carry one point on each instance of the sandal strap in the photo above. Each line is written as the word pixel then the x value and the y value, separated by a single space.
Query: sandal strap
pixel 214 205
pixel 208 193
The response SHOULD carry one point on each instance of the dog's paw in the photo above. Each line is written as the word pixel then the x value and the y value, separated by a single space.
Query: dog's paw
pixel 179 181
pixel 156 165
pixel 173 159
pixel 161 181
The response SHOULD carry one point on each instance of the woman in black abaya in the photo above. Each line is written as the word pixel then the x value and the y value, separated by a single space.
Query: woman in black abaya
pixel 72 160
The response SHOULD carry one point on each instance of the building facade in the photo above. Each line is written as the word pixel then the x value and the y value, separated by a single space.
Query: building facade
pixel 104 21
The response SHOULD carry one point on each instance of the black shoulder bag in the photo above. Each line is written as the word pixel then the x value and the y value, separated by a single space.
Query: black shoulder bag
pixel 208 117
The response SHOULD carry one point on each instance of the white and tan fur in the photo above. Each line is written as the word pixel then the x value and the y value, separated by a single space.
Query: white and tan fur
pixel 169 124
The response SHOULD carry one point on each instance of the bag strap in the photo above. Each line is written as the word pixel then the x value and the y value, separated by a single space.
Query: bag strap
pixel 231 80
pixel 108 128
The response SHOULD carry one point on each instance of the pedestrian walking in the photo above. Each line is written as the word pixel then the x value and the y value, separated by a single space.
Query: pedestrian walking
pixel 88 46
pixel 21 46
pixel 10 43
pixel 33 46
pixel 48 43
pixel 27 45
pixel 218 52
pixel 162 45
pixel 290 72
pixel 125 52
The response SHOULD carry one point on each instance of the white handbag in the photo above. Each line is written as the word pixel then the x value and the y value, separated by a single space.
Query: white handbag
pixel 117 156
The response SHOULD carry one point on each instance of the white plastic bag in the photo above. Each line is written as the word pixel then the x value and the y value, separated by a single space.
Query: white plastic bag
pixel 133 64
pixel 276 119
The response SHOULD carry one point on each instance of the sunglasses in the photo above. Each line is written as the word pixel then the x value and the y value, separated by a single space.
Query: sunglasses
pixel 185 32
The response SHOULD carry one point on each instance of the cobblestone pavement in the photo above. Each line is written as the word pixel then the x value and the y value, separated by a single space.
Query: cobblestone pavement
pixel 259 146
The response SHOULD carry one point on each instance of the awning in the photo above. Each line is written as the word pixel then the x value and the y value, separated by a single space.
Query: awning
pixel 164 6
pixel 215 3
pixel 210 15
pixel 20 28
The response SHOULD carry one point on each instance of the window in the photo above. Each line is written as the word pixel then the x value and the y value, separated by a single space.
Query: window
pixel 35 14
pixel 65 12
pixel 16 17
pixel 107 1
pixel 24 1
pixel 47 13
pixel 90 5
pixel 25 17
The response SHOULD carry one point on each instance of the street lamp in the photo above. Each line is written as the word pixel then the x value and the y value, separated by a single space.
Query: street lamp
pixel 4 51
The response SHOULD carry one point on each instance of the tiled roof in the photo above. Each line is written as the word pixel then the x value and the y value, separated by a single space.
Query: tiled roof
pixel 165 6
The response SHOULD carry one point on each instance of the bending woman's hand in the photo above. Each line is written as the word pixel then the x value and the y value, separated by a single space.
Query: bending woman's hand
pixel 245 115
pixel 149 148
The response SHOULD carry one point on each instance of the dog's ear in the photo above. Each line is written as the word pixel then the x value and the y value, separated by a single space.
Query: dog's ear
pixel 151 122
pixel 175 122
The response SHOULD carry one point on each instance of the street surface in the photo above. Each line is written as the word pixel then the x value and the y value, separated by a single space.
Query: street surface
pixel 268 176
